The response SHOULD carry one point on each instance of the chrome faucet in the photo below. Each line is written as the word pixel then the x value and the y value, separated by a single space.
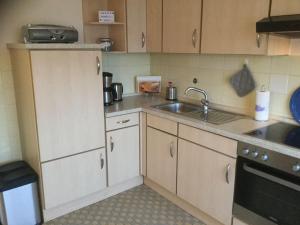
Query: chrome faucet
pixel 204 101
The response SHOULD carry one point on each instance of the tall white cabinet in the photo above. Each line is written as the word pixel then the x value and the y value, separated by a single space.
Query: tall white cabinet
pixel 61 117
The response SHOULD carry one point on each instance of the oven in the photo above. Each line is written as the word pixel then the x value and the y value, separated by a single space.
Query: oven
pixel 267 188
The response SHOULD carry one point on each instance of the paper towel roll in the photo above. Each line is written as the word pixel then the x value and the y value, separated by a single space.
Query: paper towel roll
pixel 262 105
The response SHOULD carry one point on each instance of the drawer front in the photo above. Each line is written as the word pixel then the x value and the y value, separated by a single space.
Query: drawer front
pixel 162 124
pixel 117 122
pixel 213 141
pixel 74 177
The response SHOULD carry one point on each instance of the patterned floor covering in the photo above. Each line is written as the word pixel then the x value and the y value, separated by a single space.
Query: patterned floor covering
pixel 138 206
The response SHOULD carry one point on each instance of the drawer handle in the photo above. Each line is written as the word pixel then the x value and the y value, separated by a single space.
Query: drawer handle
pixel 194 38
pixel 143 40
pixel 258 40
pixel 228 167
pixel 101 161
pixel 112 145
pixel 123 121
pixel 172 150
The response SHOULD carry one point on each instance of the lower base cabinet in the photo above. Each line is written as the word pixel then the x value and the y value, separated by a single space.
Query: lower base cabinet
pixel 162 158
pixel 74 177
pixel 122 154
pixel 206 180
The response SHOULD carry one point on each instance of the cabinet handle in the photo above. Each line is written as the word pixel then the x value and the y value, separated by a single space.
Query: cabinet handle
pixel 228 167
pixel 194 38
pixel 123 121
pixel 112 145
pixel 258 40
pixel 143 40
pixel 101 161
pixel 98 65
pixel 171 150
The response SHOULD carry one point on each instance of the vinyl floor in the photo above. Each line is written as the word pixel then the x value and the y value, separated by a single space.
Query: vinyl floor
pixel 138 206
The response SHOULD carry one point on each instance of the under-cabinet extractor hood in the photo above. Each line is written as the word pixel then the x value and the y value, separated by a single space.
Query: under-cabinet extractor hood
pixel 287 25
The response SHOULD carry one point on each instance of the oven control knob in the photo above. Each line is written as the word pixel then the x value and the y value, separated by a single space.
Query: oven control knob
pixel 254 154
pixel 246 151
pixel 264 157
pixel 296 168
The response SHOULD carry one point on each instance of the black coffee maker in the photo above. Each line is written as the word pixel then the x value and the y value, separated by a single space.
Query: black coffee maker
pixel 107 89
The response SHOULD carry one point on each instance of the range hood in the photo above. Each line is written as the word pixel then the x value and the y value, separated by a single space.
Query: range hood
pixel 287 25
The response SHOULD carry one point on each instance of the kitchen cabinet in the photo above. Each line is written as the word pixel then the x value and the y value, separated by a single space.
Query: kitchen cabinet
pixel 74 177
pixel 206 180
pixel 68 102
pixel 122 154
pixel 154 25
pixel 181 26
pixel 61 120
pixel 285 7
pixel 229 27
pixel 162 158
pixel 236 221
pixel 136 25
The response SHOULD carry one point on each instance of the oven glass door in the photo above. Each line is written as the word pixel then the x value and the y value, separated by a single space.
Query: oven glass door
pixel 269 193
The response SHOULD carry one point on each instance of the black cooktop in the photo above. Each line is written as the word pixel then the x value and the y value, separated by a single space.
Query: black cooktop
pixel 282 133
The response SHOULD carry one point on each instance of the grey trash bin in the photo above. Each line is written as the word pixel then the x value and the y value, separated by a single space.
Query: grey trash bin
pixel 19 203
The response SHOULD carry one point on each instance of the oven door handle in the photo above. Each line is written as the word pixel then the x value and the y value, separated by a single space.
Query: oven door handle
pixel 271 177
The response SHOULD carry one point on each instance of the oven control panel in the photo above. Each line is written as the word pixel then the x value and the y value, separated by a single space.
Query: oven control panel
pixel 270 158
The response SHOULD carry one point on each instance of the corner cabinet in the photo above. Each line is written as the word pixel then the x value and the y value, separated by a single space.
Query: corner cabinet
pixel 181 26
pixel 136 25
pixel 229 27
pixel 162 158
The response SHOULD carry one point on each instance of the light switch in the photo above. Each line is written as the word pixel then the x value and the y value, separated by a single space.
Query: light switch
pixel 279 84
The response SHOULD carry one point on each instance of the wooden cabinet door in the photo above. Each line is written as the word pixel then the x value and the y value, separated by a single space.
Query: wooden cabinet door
pixel 122 154
pixel 69 102
pixel 181 26
pixel 285 7
pixel 136 25
pixel 162 158
pixel 229 27
pixel 73 177
pixel 206 180
pixel 154 25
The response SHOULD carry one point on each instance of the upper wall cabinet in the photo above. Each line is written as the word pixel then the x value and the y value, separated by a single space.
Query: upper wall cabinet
pixel 94 30
pixel 154 25
pixel 136 25
pixel 181 26
pixel 229 27
pixel 285 7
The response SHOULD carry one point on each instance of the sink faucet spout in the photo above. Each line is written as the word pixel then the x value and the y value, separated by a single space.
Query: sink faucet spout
pixel 204 102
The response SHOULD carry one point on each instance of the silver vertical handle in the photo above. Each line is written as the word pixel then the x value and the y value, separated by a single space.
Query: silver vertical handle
pixel 194 38
pixel 112 145
pixel 228 167
pixel 258 40
pixel 143 40
pixel 101 161
pixel 171 149
pixel 98 65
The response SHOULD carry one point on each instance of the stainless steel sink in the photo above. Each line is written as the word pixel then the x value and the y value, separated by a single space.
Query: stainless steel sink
pixel 213 116
pixel 179 107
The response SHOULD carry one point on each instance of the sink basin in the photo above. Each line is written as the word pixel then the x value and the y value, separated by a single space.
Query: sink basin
pixel 179 107
pixel 213 116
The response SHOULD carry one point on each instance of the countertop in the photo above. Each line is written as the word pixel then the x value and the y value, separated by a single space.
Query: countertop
pixel 234 130
pixel 84 46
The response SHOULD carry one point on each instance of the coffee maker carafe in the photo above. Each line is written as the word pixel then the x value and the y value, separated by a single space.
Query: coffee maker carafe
pixel 107 89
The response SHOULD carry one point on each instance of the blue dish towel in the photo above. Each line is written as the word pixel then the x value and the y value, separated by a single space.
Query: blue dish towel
pixel 243 82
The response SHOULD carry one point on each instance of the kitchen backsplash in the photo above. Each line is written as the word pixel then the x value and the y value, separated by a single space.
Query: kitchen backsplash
pixel 280 74
pixel 125 68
